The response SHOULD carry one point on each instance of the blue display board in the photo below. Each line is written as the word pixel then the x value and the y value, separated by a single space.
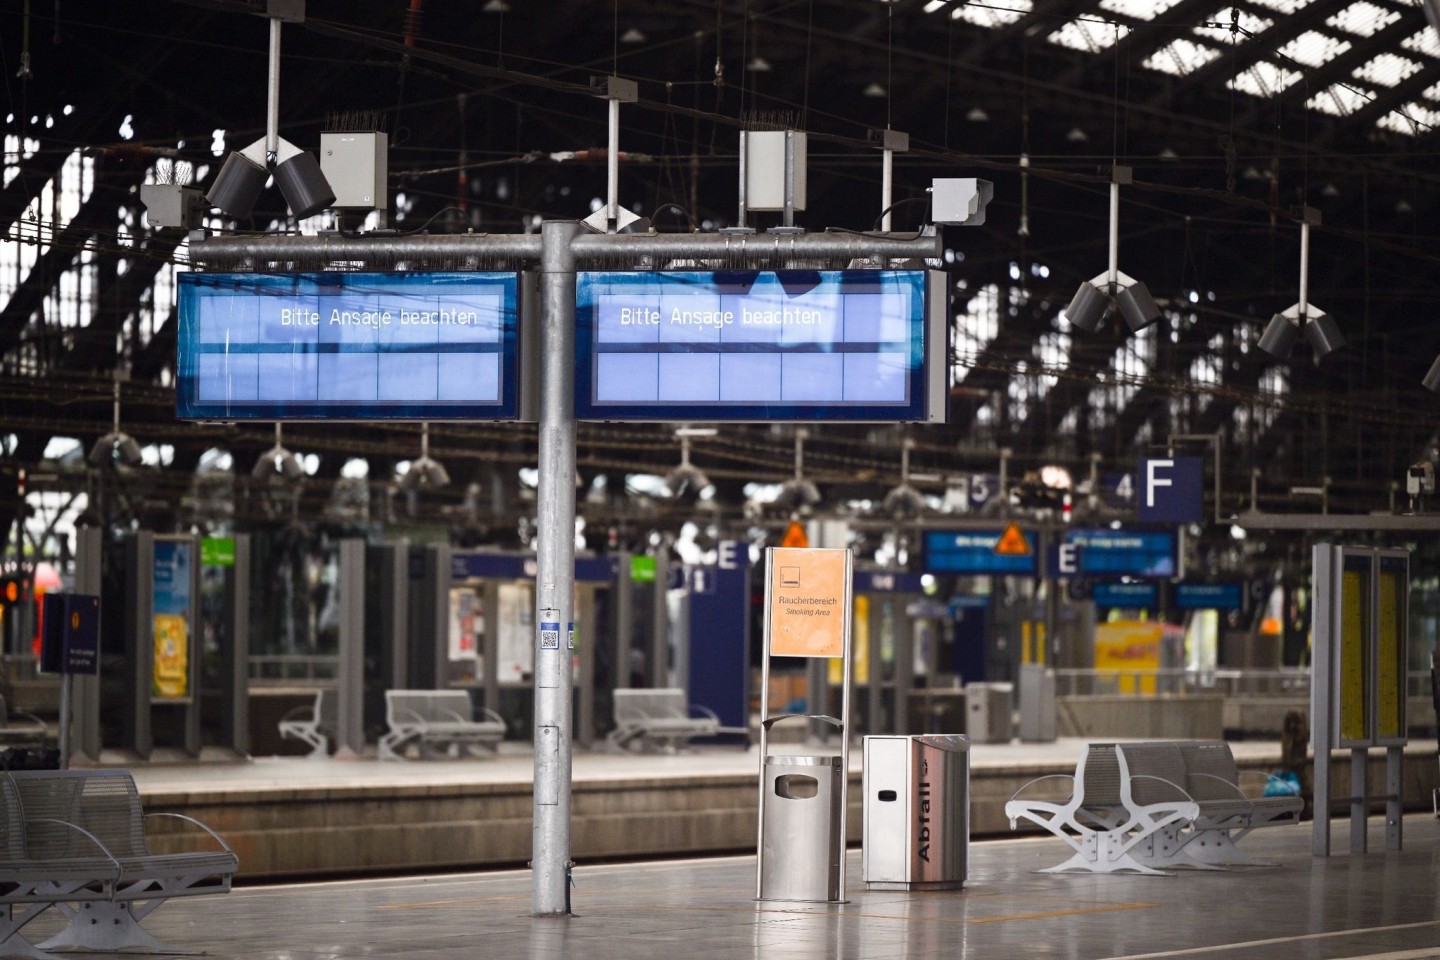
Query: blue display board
pixel 518 566
pixel 1125 553
pixel 720 636
pixel 885 581
pixel 1190 595
pixel 972 552
pixel 354 346
pixel 760 345
pixel 1129 596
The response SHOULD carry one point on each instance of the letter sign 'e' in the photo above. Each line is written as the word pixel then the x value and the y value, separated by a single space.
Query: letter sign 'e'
pixel 1172 490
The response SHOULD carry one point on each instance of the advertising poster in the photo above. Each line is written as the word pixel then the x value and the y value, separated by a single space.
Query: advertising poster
pixel 1129 647
pixel 516 632
pixel 170 610
pixel 466 627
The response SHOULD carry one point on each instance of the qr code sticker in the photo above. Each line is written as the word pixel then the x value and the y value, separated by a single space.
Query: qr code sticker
pixel 549 639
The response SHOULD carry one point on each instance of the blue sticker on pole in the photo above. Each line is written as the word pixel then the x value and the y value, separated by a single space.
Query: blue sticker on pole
pixel 549 636
pixel 570 636
pixel 1172 490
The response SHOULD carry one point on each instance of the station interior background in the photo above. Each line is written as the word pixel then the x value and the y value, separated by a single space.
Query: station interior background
pixel 1233 116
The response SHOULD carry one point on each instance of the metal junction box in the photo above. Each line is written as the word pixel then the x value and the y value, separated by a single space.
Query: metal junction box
pixel 917 812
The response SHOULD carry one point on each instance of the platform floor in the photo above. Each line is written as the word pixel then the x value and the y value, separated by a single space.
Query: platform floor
pixel 1380 906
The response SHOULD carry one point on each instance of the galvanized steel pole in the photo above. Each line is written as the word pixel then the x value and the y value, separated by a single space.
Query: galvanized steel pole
pixel 555 579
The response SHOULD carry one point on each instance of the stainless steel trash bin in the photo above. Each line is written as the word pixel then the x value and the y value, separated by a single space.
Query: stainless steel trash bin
pixel 917 812
pixel 801 832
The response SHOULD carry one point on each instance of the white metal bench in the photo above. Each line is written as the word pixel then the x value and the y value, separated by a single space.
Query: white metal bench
pixel 85 832
pixel 313 723
pixel 1131 824
pixel 661 718
pixel 435 718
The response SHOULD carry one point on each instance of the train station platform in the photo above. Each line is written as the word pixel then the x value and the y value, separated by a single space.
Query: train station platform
pixel 290 818
pixel 1380 906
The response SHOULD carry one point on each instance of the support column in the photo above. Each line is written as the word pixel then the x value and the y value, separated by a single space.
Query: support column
pixel 555 582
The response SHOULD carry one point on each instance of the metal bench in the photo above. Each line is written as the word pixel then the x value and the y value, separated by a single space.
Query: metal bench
pixel 661 717
pixel 86 830
pixel 435 718
pixel 1198 777
pixel 313 723
pixel 31 731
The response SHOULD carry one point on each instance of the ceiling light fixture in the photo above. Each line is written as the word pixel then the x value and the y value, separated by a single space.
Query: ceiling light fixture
pixel 688 479
pixel 423 472
pixel 1319 327
pixel 1094 298
pixel 116 448
pixel 277 462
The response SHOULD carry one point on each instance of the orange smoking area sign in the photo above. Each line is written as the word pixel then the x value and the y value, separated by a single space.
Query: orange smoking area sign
pixel 807 596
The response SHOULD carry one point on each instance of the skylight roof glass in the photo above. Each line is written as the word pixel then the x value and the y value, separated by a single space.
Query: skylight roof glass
pixel 995 14
pixel 1181 57
pixel 1387 69
pixel 1265 79
pixel 1138 9
pixel 1364 19
pixel 1341 99
pixel 1314 49
pixel 1281 6
pixel 1426 41
pixel 1415 119
pixel 1087 35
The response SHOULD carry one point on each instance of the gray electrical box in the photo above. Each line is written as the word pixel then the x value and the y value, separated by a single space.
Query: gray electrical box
pixel 355 162
pixel 917 812
pixel 989 712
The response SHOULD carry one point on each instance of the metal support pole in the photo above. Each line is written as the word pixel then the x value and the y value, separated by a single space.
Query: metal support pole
pixel 1304 269
pixel 555 582
pixel 1394 797
pixel 624 620
pixel 887 175
pixel 65 681
pixel 789 220
pixel 612 167
pixel 660 618
pixel 740 214
pixel 1359 800
pixel 272 95
pixel 1114 236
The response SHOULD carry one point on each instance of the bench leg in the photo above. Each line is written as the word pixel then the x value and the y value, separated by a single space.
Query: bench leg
pixel 12 944
pixel 1105 852
pixel 1168 847
pixel 1217 847
pixel 106 927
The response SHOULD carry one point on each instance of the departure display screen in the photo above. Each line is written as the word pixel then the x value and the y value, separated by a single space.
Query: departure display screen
pixel 351 346
pixel 802 345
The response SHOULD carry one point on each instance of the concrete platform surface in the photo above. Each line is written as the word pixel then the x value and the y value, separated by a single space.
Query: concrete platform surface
pixel 1381 906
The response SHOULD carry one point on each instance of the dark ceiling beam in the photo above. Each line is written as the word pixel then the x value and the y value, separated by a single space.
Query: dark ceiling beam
pixel 1044 17
pixel 1393 98
pixel 1143 39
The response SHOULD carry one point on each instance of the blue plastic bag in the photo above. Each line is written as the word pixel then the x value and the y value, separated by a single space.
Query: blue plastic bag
pixel 1283 783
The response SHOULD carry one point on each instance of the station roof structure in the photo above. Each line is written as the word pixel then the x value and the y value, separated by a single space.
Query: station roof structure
pixel 1233 116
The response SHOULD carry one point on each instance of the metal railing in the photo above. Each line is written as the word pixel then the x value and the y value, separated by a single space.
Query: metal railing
pixel 1282 682
pixel 299 669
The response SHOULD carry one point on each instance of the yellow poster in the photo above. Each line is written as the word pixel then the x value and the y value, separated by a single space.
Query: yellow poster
pixel 807 602
pixel 1131 648
pixel 1354 653
pixel 172 667
pixel 1390 659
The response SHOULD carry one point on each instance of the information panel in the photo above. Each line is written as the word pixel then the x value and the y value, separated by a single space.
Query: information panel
pixel 1125 553
pixel 1193 595
pixel 854 345
pixel 1391 631
pixel 352 346
pixel 1126 596
pixel 171 611
pixel 974 553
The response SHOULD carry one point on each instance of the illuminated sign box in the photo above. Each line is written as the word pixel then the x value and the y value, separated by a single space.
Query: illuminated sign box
pixel 802 345
pixel 1190 595
pixel 1127 596
pixel 350 346
pixel 1125 553
pixel 972 553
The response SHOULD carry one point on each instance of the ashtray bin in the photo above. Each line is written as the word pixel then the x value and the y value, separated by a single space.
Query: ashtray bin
pixel 801 828
pixel 917 812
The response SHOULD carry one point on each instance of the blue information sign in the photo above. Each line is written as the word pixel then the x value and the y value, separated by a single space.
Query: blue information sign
pixel 1125 553
pixel 354 346
pixel 760 345
pixel 1172 490
pixel 518 566
pixel 720 635
pixel 1129 596
pixel 972 552
pixel 1190 595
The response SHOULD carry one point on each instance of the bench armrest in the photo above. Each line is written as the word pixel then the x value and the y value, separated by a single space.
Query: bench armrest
pixel 1239 794
pixel 1183 795
pixel 104 851
pixel 1053 776
pixel 704 711
pixel 306 711
pixel 180 816
pixel 32 718
pixel 488 714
